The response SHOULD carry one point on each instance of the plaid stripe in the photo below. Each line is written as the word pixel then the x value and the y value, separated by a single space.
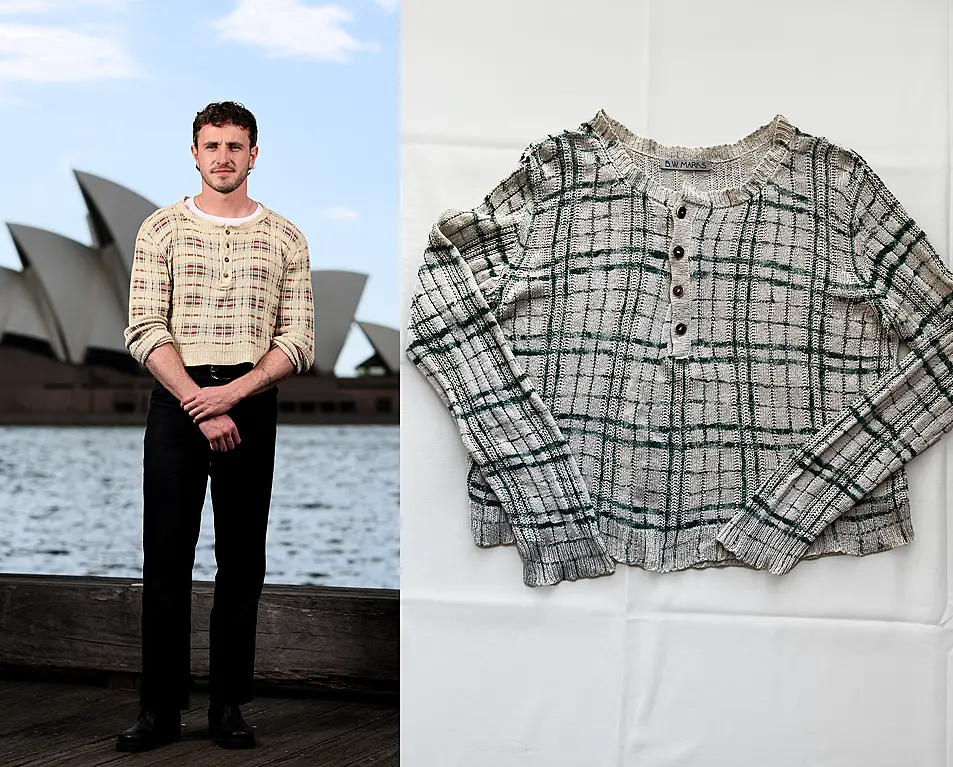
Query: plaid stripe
pixel 221 293
pixel 757 416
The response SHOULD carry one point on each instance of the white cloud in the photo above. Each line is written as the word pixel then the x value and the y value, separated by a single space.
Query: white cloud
pixel 32 53
pixel 339 213
pixel 388 5
pixel 289 29
pixel 45 6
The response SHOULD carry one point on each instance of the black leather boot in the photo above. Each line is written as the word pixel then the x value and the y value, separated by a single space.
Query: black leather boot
pixel 151 730
pixel 229 729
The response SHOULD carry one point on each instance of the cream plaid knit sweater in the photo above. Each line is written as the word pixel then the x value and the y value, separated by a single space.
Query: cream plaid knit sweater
pixel 686 368
pixel 221 293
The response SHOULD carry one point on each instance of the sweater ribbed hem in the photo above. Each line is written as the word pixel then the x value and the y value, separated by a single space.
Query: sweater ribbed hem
pixel 878 524
pixel 230 354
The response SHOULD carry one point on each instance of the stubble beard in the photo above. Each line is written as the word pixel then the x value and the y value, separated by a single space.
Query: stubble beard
pixel 225 185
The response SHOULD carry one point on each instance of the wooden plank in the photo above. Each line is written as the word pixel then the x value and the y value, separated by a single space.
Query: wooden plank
pixel 373 743
pixel 309 633
pixel 290 732
pixel 55 721
pixel 44 707
pixel 306 633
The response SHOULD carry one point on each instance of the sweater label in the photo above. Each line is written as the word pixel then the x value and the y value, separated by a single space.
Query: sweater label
pixel 671 163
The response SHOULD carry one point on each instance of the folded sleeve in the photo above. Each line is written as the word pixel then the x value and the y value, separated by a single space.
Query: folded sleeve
pixel 150 297
pixel 294 326
pixel 454 338
pixel 889 422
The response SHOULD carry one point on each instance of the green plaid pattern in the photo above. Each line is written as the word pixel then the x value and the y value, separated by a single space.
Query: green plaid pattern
pixel 222 294
pixel 678 369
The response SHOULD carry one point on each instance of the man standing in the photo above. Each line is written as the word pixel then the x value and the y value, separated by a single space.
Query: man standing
pixel 220 311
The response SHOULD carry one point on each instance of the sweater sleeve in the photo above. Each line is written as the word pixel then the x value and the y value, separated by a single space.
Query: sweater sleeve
pixel 150 298
pixel 889 422
pixel 294 325
pixel 455 339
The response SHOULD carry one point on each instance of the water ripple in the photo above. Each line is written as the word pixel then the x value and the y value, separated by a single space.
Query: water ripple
pixel 71 500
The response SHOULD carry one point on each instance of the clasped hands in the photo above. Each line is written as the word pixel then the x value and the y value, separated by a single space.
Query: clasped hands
pixel 208 408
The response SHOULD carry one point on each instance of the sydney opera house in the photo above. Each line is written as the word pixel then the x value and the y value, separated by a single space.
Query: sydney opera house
pixel 62 356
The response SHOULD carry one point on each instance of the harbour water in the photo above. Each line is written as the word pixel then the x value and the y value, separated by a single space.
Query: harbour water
pixel 71 504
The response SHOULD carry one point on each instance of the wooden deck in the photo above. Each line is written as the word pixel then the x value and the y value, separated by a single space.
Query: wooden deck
pixel 326 671
pixel 50 724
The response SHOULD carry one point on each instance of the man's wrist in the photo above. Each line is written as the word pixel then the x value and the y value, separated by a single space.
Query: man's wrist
pixel 256 380
pixel 239 388
pixel 189 391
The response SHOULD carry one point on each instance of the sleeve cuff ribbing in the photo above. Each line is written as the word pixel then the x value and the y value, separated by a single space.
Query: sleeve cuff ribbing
pixel 300 359
pixel 754 540
pixel 143 345
pixel 566 561
pixel 552 519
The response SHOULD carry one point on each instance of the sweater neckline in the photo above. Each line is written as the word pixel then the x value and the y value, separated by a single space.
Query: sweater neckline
pixel 184 209
pixel 622 144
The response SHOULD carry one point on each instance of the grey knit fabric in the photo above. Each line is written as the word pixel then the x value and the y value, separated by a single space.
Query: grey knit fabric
pixel 676 369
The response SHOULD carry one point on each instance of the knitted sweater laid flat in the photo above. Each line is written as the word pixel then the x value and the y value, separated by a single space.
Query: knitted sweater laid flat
pixel 673 368
pixel 221 293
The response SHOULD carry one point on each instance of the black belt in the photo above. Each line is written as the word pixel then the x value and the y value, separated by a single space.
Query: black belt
pixel 220 372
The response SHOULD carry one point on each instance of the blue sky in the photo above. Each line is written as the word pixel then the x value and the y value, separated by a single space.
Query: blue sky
pixel 111 87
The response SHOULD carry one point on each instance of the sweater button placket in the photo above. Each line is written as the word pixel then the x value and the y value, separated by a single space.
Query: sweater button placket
pixel 679 271
pixel 226 250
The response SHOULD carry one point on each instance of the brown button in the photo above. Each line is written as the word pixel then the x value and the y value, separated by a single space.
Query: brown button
pixel 228 231
pixel 680 329
pixel 226 259
pixel 679 251
pixel 681 212
pixel 677 290
pixel 226 274
pixel 228 245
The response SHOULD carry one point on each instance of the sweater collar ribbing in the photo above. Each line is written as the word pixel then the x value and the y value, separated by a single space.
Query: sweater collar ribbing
pixel 622 144
pixel 182 208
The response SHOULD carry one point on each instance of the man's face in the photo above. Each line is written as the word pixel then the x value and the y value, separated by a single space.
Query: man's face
pixel 224 157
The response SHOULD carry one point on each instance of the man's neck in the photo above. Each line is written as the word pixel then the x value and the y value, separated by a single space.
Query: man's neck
pixel 232 205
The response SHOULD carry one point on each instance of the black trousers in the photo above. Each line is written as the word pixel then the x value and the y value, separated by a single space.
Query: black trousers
pixel 178 462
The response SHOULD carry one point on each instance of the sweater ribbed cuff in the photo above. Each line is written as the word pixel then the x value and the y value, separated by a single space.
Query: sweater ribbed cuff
pixel 548 564
pixel 760 543
pixel 141 347
pixel 552 519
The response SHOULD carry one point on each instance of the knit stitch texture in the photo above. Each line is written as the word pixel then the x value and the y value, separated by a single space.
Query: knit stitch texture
pixel 676 369
pixel 221 293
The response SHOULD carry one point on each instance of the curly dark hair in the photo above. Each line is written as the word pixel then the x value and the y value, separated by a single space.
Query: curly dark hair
pixel 220 113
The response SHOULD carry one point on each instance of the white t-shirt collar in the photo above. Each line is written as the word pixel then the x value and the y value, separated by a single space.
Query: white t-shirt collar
pixel 190 204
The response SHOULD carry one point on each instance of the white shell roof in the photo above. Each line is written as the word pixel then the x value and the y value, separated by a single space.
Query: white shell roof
pixel 21 310
pixel 121 212
pixel 386 342
pixel 73 278
pixel 336 296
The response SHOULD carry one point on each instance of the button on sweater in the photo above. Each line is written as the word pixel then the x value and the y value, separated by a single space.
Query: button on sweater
pixel 686 364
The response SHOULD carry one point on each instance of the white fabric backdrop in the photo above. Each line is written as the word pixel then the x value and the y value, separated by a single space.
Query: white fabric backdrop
pixel 842 662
